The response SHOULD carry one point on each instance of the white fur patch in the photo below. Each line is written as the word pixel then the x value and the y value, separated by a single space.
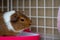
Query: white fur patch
pixel 6 17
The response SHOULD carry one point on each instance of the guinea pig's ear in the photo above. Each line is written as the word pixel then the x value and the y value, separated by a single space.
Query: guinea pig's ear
pixel 14 18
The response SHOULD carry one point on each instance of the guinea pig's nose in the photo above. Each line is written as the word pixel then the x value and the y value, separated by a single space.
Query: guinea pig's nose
pixel 30 24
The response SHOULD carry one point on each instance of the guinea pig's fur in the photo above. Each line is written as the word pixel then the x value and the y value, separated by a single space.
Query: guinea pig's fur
pixel 18 22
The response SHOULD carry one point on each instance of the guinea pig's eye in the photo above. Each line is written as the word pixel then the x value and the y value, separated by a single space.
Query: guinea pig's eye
pixel 14 16
pixel 22 19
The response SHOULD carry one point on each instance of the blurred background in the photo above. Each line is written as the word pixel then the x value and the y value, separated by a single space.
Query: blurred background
pixel 43 14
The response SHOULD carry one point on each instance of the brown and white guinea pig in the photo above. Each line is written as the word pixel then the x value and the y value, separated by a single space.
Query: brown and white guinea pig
pixel 13 22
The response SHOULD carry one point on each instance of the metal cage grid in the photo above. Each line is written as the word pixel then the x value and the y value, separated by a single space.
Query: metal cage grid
pixel 43 14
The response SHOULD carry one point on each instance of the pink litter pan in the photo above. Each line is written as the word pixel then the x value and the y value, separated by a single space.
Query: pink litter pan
pixel 22 36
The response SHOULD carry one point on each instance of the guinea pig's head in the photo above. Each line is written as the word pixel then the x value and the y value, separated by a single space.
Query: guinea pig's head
pixel 20 21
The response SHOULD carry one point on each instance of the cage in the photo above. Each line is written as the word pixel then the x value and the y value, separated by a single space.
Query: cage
pixel 43 14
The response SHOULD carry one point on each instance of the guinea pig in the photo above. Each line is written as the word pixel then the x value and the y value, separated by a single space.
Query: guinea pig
pixel 13 22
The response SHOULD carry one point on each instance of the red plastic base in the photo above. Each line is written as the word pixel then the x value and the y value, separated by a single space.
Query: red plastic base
pixel 23 36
